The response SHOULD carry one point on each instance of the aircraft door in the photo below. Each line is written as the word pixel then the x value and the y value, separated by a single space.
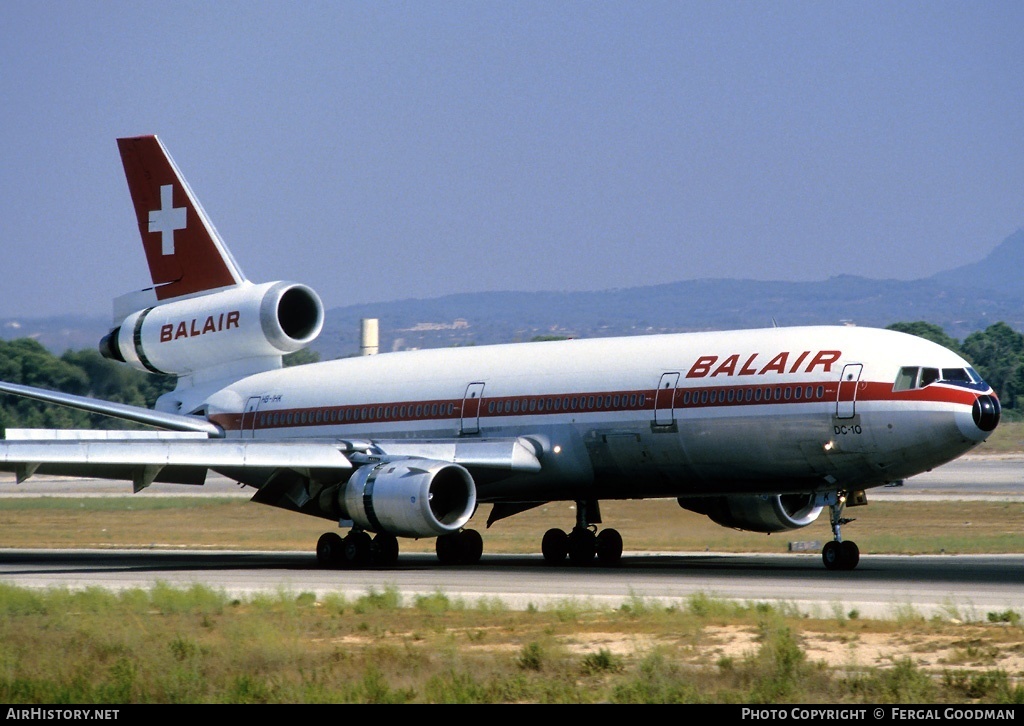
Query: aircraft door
pixel 248 425
pixel 664 400
pixel 846 400
pixel 471 408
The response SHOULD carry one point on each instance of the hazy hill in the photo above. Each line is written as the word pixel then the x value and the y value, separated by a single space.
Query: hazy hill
pixel 961 300
pixel 1001 271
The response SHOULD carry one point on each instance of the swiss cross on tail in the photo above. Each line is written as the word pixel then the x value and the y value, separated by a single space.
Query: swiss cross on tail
pixel 184 251
pixel 168 219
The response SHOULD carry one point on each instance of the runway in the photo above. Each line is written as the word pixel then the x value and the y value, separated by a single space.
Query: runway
pixel 882 586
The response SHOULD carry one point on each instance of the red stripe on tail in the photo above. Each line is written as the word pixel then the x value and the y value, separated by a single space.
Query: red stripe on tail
pixel 184 252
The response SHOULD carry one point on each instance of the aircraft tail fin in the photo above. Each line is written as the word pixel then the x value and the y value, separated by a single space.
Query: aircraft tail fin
pixel 202 320
pixel 185 253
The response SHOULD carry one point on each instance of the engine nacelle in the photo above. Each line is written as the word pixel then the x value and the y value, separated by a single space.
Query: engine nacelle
pixel 410 498
pixel 757 513
pixel 242 322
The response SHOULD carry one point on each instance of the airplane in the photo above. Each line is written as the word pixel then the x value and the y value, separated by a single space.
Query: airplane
pixel 759 430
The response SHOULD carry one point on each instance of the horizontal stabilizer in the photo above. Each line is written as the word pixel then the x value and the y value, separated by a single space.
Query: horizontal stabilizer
pixel 99 435
pixel 160 419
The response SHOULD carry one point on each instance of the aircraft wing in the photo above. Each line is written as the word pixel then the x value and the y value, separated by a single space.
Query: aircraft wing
pixel 144 457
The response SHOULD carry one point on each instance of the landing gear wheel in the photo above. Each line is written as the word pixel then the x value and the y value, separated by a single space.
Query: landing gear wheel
pixel 355 551
pixel 471 546
pixel 328 550
pixel 554 546
pixel 609 547
pixel 447 548
pixel 582 546
pixel 832 556
pixel 384 549
pixel 850 554
pixel 840 555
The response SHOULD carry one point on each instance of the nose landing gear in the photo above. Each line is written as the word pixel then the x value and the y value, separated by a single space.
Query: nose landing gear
pixel 839 554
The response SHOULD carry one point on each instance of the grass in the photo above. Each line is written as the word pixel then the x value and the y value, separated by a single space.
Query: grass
pixel 198 646
pixel 1008 438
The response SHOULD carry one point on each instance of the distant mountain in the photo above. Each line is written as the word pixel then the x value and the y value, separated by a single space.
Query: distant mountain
pixel 1001 271
pixel 677 307
pixel 960 301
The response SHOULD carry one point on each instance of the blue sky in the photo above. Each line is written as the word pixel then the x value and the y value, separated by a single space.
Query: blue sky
pixel 390 150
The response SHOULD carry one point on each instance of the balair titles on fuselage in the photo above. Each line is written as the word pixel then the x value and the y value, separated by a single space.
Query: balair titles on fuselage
pixel 731 365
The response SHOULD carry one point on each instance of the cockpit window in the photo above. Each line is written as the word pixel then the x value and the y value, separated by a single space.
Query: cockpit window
pixel 954 375
pixel 911 377
pixel 906 379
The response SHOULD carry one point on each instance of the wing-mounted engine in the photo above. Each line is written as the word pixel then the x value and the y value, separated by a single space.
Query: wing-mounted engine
pixel 217 330
pixel 406 498
pixel 755 513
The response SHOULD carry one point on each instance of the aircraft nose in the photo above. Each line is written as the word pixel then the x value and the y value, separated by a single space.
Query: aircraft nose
pixel 986 412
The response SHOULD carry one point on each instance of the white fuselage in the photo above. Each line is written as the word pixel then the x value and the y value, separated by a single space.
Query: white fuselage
pixel 754 411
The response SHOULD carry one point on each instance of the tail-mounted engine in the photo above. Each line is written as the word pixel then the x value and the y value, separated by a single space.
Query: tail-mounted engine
pixel 755 513
pixel 192 334
pixel 407 498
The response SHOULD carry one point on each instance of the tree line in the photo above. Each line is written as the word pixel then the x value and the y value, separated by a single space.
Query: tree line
pixel 997 353
pixel 83 373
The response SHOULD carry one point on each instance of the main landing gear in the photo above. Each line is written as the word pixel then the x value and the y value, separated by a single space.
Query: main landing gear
pixel 358 549
pixel 584 543
pixel 839 554
pixel 460 548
